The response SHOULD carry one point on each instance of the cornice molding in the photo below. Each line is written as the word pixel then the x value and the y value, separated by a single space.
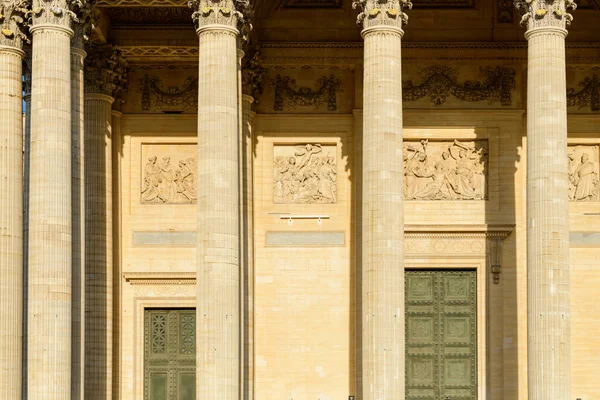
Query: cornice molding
pixel 160 278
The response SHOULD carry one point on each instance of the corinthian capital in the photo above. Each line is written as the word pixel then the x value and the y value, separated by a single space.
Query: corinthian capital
pixel 14 22
pixel 382 12
pixel 55 12
pixel 546 13
pixel 105 71
pixel 231 13
pixel 82 25
pixel 252 76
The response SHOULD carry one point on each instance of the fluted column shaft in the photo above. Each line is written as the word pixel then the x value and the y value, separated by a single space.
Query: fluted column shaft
pixel 98 246
pixel 248 242
pixel 50 279
pixel 383 216
pixel 11 222
pixel 78 222
pixel 548 342
pixel 218 268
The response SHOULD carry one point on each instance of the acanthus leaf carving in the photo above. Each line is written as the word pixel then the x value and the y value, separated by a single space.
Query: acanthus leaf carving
pixel 439 82
pixel 231 13
pixel 539 13
pixel 155 97
pixel 584 173
pixel 382 12
pixel 287 95
pixel 105 71
pixel 588 96
pixel 56 12
pixel 305 174
pixel 83 24
pixel 15 19
pixel 445 170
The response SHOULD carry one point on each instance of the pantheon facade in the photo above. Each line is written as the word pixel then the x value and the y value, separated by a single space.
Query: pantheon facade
pixel 299 199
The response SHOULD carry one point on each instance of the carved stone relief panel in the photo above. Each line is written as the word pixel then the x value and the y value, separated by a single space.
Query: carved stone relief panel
pixel 583 89
pixel 445 170
pixel 304 174
pixel 584 173
pixel 168 174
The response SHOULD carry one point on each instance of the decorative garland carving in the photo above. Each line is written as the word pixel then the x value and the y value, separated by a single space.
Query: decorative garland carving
pixel 588 96
pixel 105 71
pixel 154 96
pixel 15 19
pixel 538 13
pixel 382 12
pixel 440 81
pixel 287 95
pixel 252 76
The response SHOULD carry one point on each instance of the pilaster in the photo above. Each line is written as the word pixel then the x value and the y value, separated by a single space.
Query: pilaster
pixel 12 36
pixel 548 341
pixel 218 329
pixel 105 72
pixel 383 360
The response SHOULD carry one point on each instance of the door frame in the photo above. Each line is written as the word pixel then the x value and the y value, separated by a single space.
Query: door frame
pixel 479 266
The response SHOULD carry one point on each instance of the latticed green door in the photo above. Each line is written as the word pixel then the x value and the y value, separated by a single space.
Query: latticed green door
pixel 170 354
pixel 441 350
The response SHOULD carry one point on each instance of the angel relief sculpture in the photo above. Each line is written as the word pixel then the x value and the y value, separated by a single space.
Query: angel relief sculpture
pixel 163 184
pixel 306 176
pixel 583 176
pixel 445 170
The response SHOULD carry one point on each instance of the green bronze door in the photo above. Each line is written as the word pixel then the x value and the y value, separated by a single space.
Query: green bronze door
pixel 441 350
pixel 170 354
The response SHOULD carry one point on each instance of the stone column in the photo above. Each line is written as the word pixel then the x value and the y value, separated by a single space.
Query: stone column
pixel 252 74
pixel 104 69
pixel 11 200
pixel 78 216
pixel 548 341
pixel 49 319
pixel 383 214
pixel 218 210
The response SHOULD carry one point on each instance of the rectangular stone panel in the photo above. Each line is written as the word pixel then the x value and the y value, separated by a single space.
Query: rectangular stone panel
pixel 584 173
pixel 149 238
pixel 292 239
pixel 445 169
pixel 304 174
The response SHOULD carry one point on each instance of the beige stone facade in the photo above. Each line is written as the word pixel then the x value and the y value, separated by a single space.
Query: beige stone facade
pixel 285 196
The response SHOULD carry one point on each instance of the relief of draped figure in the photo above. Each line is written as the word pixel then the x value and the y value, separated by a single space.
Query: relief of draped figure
pixel 304 174
pixel 445 170
pixel 583 173
pixel 163 184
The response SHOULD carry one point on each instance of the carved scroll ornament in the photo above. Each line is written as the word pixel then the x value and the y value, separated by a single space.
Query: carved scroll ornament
pixel 287 95
pixel 439 82
pixel 588 96
pixel 445 170
pixel 305 174
pixel 155 97
pixel 165 184
pixel 584 172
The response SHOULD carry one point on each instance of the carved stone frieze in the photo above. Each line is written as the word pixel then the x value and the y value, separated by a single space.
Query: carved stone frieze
pixel 445 170
pixel 134 16
pixel 157 98
pixel 14 22
pixel 105 71
pixel 305 174
pixel 588 96
pixel 539 13
pixel 311 4
pixel 439 82
pixel 288 96
pixel 167 182
pixel 382 12
pixel 252 76
pixel 584 173
pixel 232 13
